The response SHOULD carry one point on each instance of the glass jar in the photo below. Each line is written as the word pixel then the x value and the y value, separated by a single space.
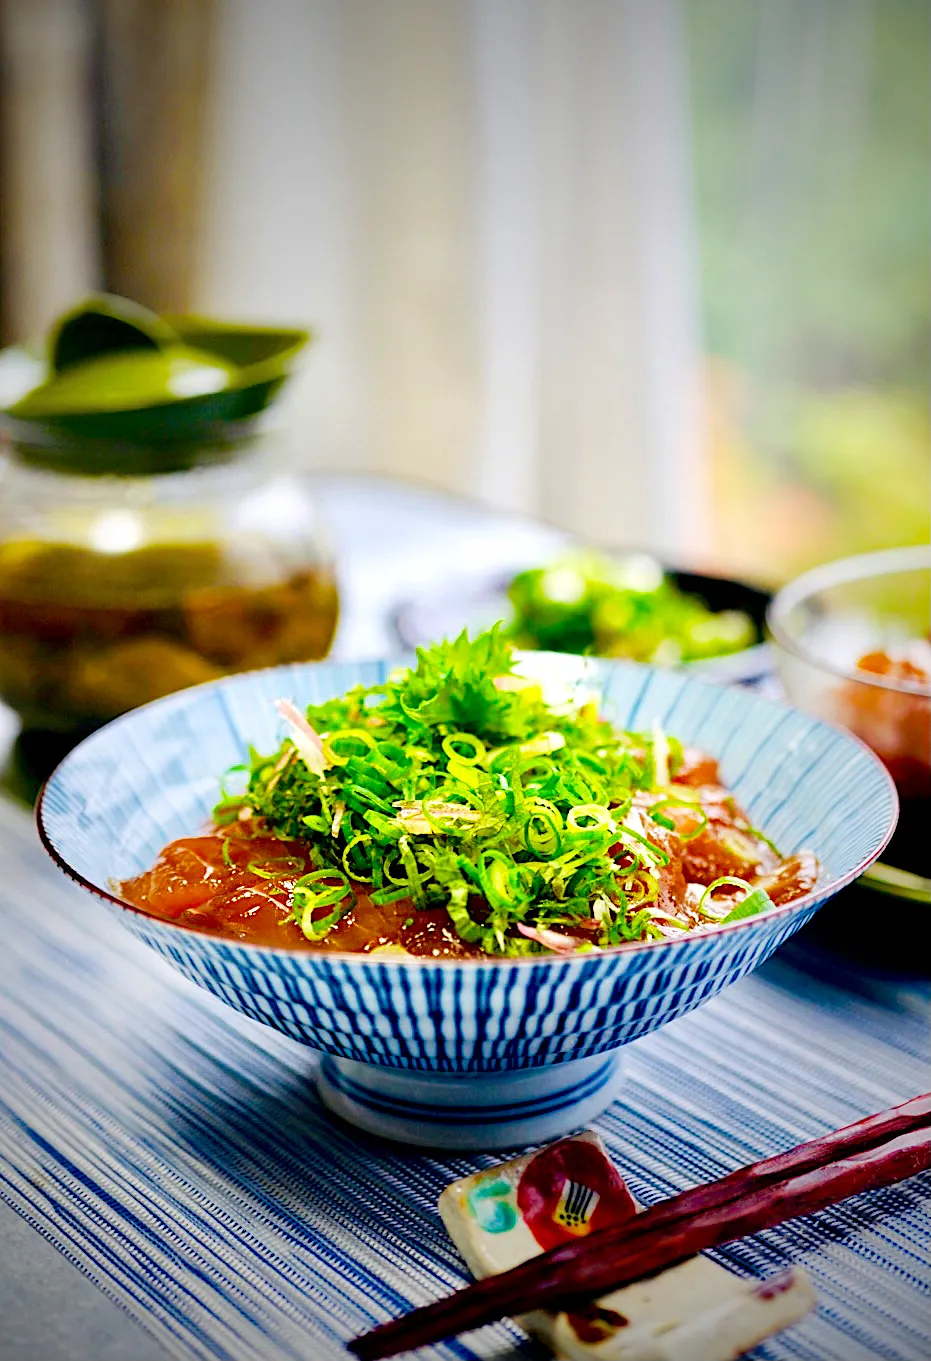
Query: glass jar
pixel 118 589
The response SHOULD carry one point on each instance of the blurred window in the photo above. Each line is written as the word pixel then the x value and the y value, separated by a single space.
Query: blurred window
pixel 499 215
pixel 811 138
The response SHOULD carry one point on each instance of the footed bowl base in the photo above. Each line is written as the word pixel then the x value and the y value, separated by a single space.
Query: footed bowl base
pixel 474 1111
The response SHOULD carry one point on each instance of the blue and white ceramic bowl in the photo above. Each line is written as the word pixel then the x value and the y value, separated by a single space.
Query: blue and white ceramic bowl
pixel 467 1054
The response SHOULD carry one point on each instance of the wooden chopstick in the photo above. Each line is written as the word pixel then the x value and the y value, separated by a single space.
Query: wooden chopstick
pixel 875 1152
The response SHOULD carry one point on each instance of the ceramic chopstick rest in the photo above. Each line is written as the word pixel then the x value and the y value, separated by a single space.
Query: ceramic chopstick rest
pixel 696 1311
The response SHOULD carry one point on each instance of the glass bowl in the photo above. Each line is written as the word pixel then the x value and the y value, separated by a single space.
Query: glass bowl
pixel 822 625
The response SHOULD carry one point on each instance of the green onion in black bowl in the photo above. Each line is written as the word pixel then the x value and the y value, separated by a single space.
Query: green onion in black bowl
pixel 589 603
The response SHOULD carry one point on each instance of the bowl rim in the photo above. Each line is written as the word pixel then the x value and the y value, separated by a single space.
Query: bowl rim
pixel 819 892
pixel 841 571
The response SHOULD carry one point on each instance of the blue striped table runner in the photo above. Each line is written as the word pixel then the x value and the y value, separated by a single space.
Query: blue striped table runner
pixel 178 1154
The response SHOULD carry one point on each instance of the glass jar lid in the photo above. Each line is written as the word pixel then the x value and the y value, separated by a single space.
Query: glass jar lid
pixel 116 388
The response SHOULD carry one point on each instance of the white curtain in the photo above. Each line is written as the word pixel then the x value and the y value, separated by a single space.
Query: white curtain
pixel 48 203
pixel 485 209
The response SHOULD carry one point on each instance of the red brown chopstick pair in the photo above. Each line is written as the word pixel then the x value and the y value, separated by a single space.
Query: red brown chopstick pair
pixel 875 1152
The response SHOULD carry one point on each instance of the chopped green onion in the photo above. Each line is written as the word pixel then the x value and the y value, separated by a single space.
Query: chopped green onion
pixel 674 801
pixel 757 901
pixel 361 872
pixel 474 753
pixel 308 899
pixel 389 895
pixel 654 852
pixel 543 828
pixel 359 741
pixel 725 880
pixel 589 817
pixel 289 864
pixel 453 788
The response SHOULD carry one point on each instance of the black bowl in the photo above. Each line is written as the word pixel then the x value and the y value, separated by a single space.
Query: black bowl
pixel 480 602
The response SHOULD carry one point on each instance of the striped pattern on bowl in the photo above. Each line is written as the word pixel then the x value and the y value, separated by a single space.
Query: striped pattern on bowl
pixel 152 776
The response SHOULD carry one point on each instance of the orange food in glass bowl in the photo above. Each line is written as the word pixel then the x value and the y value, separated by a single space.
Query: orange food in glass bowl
pixel 896 723
pixel 851 643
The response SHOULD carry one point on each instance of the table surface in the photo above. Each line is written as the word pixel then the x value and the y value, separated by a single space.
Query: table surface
pixel 170 1185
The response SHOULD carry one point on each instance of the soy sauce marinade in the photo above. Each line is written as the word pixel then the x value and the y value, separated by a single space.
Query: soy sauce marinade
pixel 455 812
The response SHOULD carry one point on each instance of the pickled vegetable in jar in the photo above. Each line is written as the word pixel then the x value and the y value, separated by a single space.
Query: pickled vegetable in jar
pixel 150 541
